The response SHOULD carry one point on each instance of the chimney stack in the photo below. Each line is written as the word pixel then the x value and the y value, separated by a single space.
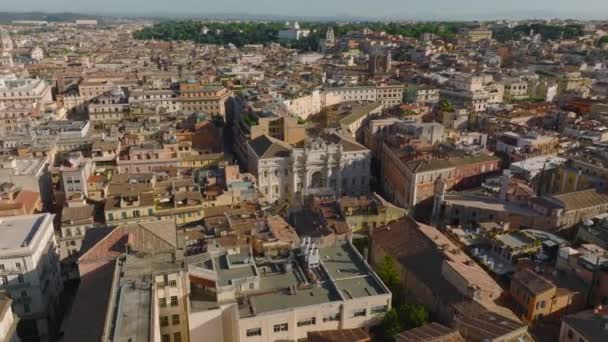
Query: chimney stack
pixel 504 184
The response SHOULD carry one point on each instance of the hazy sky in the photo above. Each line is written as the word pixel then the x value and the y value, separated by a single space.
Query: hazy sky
pixel 407 9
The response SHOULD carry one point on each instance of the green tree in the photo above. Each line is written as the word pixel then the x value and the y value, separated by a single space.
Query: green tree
pixel 390 326
pixel 413 315
pixel 446 105
pixel 388 272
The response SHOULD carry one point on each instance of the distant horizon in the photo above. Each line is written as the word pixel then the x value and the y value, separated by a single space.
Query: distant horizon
pixel 334 10
pixel 303 18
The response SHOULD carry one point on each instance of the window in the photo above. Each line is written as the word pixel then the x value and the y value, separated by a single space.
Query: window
pixel 177 337
pixel 20 278
pixel 162 302
pixel 24 293
pixel 164 321
pixel 378 309
pixel 1 267
pixel 254 332
pixel 281 327
pixel 310 321
pixel 4 280
pixel 172 282
pixel 359 313
pixel 18 265
pixel 175 319
pixel 26 308
pixel 173 300
pixel 166 338
pixel 332 317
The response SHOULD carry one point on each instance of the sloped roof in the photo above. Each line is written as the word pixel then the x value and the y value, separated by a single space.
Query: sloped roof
pixel 88 316
pixel 533 282
pixel 580 199
pixel 114 243
pixel 409 242
pixel 269 147
pixel 446 163
pixel 343 335
pixel 76 214
pixel 432 332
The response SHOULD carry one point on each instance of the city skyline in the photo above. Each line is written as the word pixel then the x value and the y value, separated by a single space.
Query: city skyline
pixel 380 10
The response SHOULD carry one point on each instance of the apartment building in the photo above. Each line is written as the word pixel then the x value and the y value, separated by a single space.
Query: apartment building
pixel 29 174
pixel 14 201
pixel 30 272
pixel 140 198
pixel 366 213
pixel 8 320
pixel 304 106
pixel 21 101
pixel 108 109
pixel 516 88
pixel 421 94
pixel 473 92
pixel 332 96
pixel 476 34
pixel 166 99
pixel 130 287
pixel 410 182
pixel 540 298
pixel 250 126
pixel 390 95
pixel 197 98
pixel 74 175
pixel 129 203
pixel 147 157
pixel 105 152
pixel 30 93
pixel 101 84
pixel 584 263
pixel 266 301
pixel 359 115
pixel 585 326
pixel 64 129
pixel 179 200
pixel 511 142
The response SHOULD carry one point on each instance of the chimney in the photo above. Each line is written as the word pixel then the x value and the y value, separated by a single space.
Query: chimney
pixel 504 184
pixel 130 242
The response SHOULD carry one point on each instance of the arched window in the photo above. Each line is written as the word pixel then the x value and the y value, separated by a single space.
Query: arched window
pixel 317 181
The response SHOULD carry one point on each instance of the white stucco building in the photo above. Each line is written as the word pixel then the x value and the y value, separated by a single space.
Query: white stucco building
pixel 29 270
pixel 281 305
pixel 293 32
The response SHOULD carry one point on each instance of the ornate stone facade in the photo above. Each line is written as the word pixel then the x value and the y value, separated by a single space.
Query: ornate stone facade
pixel 329 164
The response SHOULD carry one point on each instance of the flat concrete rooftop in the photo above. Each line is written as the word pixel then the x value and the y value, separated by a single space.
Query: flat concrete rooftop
pixel 18 231
pixel 283 300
